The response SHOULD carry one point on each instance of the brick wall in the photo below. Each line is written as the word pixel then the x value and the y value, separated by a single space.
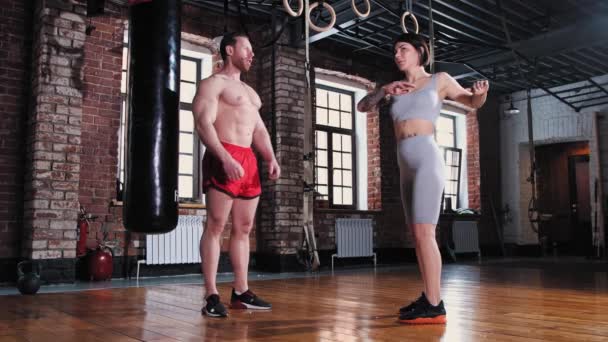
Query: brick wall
pixel 473 169
pixel 102 101
pixel 101 107
pixel 15 57
pixel 374 169
pixel 72 135
pixel 281 207
pixel 54 133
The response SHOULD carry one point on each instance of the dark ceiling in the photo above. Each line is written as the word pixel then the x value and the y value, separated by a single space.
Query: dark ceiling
pixel 515 43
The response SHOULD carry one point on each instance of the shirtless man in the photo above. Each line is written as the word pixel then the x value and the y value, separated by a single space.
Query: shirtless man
pixel 227 120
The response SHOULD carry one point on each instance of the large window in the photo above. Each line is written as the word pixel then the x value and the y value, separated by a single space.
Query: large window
pixel 194 66
pixel 335 147
pixel 446 131
pixel 189 144
pixel 445 135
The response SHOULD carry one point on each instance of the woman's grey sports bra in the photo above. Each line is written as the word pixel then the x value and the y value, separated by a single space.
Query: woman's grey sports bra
pixel 423 103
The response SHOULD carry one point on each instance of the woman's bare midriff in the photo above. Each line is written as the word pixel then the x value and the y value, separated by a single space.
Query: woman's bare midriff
pixel 410 128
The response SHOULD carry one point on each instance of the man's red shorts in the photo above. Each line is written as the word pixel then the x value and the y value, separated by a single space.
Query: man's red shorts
pixel 246 187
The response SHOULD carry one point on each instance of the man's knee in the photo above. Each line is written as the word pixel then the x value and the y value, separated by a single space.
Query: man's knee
pixel 215 224
pixel 242 226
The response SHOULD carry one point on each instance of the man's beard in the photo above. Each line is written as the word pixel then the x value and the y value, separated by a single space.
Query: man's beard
pixel 243 66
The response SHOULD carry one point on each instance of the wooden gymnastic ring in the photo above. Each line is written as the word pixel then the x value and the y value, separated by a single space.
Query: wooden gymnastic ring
pixel 292 12
pixel 329 9
pixel 359 14
pixel 405 14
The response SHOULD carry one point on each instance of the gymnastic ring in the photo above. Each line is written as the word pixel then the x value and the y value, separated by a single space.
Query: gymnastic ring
pixel 359 14
pixel 290 11
pixel 405 14
pixel 329 9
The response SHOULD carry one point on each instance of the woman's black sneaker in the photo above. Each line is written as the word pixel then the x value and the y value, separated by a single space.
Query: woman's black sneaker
pixel 248 300
pixel 421 300
pixel 425 314
pixel 213 307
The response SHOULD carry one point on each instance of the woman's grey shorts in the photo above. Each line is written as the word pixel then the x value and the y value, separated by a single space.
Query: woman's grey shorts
pixel 422 178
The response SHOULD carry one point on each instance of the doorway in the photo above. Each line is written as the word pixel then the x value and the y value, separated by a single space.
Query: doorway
pixel 564 198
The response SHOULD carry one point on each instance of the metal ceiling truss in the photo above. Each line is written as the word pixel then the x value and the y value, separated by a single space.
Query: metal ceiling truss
pixel 566 39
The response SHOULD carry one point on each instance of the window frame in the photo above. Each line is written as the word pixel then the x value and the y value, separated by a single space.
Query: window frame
pixel 444 150
pixel 452 118
pixel 458 165
pixel 330 130
pixel 196 149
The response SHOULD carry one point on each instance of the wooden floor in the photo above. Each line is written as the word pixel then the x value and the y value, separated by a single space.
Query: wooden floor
pixel 496 302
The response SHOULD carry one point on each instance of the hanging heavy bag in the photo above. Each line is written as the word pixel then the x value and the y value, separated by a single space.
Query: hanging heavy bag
pixel 150 194
pixel 28 282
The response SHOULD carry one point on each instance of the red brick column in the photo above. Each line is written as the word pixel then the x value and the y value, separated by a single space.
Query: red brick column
pixel 374 170
pixel 473 169
pixel 280 210
pixel 53 142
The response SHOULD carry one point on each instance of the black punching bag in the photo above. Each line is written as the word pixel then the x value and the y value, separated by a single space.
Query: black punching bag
pixel 150 197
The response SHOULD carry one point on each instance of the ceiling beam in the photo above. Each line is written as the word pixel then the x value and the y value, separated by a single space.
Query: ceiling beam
pixel 575 36
pixel 352 22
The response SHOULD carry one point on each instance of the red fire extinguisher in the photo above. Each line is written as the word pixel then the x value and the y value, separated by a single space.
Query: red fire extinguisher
pixel 83 231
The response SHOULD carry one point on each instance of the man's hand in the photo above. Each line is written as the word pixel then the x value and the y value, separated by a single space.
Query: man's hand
pixel 274 171
pixel 233 169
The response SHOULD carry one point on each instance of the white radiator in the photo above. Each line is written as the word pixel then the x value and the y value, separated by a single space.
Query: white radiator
pixel 179 246
pixel 354 238
pixel 465 237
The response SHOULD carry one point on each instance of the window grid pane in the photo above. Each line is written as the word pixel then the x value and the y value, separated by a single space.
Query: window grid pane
pixel 334 131
pixel 452 159
pixel 446 130
pixel 321 116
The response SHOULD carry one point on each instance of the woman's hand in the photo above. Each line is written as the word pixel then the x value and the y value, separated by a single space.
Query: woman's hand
pixel 480 87
pixel 398 88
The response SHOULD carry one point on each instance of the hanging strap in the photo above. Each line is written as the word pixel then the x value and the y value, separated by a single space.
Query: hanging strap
pixel 431 39
pixel 226 16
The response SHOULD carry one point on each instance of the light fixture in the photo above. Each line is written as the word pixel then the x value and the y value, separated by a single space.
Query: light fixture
pixel 511 110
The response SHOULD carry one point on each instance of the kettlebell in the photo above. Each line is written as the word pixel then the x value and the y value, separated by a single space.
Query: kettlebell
pixel 28 283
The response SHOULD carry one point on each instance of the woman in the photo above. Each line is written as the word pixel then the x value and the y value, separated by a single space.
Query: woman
pixel 415 106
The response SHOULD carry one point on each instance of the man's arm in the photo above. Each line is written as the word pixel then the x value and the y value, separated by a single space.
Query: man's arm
pixel 261 141
pixel 262 144
pixel 204 109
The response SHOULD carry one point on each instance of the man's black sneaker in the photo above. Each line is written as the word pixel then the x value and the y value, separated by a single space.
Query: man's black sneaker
pixel 248 300
pixel 421 300
pixel 213 307
pixel 425 314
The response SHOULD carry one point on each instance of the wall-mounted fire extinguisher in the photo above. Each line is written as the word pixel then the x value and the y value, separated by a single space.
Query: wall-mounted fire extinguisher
pixel 83 231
